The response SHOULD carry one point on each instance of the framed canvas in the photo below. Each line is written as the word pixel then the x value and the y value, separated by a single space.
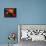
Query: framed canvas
pixel 9 12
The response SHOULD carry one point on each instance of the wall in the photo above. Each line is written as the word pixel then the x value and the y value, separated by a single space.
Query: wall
pixel 28 12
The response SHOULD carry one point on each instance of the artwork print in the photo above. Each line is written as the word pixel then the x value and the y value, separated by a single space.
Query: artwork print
pixel 9 12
